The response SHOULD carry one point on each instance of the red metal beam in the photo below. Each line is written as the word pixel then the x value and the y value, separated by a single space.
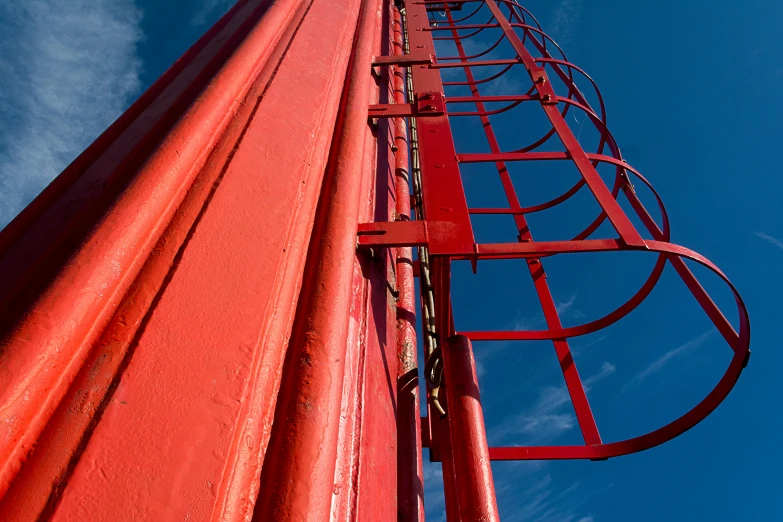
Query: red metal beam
pixel 443 191
pixel 59 443
pixel 375 457
pixel 403 60
pixel 41 356
pixel 475 486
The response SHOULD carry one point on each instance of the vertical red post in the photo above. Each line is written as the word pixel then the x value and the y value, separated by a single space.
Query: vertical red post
pixel 475 487
pixel 443 193
pixel 410 484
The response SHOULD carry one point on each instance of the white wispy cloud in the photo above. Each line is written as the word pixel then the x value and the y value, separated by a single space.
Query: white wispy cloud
pixel 564 21
pixel 481 368
pixel 565 309
pixel 434 499
pixel 507 84
pixel 659 363
pixel 549 417
pixel 770 239
pixel 532 322
pixel 606 370
pixel 526 492
pixel 68 68
pixel 578 348
pixel 541 499
pixel 209 10
pixel 484 351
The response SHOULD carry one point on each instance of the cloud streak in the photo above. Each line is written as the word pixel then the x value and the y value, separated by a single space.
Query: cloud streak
pixel 526 492
pixel 543 500
pixel 434 498
pixel 68 68
pixel 580 348
pixel 549 417
pixel 772 240
pixel 564 20
pixel 659 363
pixel 565 309
pixel 208 9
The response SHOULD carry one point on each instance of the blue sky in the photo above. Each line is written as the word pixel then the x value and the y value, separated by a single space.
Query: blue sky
pixel 692 97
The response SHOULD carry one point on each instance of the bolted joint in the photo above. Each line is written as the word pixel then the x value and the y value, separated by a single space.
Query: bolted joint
pixel 430 102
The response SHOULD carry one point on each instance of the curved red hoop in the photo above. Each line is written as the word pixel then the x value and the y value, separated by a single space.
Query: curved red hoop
pixel 740 344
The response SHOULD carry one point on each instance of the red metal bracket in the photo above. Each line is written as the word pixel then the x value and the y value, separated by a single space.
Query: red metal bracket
pixel 427 104
pixel 407 233
pixel 393 233
pixel 391 110
pixel 404 60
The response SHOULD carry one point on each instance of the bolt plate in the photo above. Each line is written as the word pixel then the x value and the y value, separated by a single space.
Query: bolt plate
pixel 430 102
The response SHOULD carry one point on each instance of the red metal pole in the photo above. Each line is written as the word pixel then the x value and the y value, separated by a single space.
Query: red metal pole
pixel 475 486
pixel 297 480
pixel 410 484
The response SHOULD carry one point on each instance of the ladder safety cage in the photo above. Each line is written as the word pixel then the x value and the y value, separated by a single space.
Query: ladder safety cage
pixel 442 230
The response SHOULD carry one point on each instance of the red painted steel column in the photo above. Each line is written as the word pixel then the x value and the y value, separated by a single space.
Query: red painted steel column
pixel 188 368
pixel 297 479
pixel 475 486
pixel 410 475
pixel 42 353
